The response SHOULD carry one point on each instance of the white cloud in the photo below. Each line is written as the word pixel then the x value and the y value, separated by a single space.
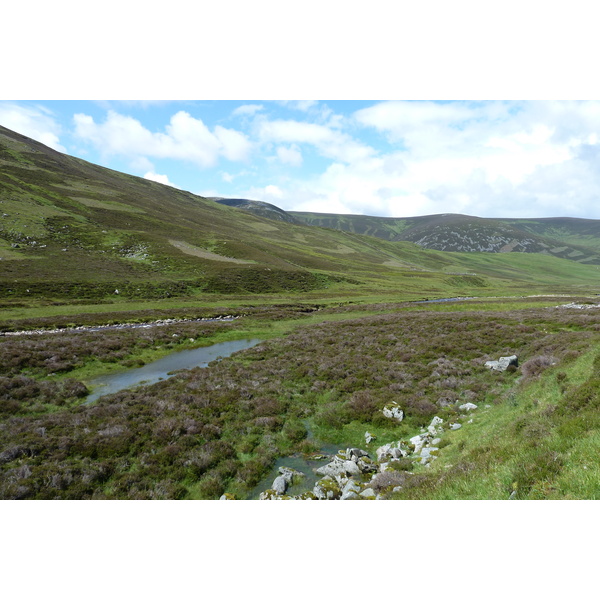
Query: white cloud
pixel 248 109
pixel 289 155
pixel 273 191
pixel 330 143
pixel 36 123
pixel 301 105
pixel 160 179
pixel 186 138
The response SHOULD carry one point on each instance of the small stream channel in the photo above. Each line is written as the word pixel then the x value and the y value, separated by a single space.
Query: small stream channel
pixel 299 463
pixel 165 367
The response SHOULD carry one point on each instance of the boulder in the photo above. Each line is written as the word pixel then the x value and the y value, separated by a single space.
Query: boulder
pixel 369 494
pixel 502 363
pixel 349 496
pixel 350 490
pixel 272 495
pixel 280 485
pixel 392 450
pixel 327 489
pixel 428 454
pixel 436 426
pixel 369 437
pixel 339 466
pixel 393 411
pixel 468 406
pixel 290 475
pixel 455 426
pixel 418 441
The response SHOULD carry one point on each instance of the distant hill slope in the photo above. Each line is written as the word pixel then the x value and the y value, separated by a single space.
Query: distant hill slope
pixel 258 208
pixel 573 239
pixel 72 229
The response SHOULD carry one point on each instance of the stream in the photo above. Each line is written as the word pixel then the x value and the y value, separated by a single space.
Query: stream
pixel 165 367
pixel 300 463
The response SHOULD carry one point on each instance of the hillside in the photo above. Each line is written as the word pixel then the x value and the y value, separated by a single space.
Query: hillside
pixel 72 229
pixel 573 239
pixel 260 209
pixel 68 227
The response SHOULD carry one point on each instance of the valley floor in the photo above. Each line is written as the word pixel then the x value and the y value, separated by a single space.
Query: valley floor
pixel 327 367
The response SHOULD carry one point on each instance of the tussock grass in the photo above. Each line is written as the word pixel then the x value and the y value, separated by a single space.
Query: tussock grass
pixel 206 431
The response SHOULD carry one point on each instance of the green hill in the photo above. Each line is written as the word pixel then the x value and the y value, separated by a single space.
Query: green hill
pixel 73 230
pixel 573 239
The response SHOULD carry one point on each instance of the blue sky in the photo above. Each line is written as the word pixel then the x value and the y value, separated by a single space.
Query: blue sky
pixel 410 130
pixel 384 158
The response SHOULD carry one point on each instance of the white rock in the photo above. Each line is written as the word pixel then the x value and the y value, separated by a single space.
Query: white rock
pixel 350 490
pixel 280 485
pixel 368 493
pixel 393 450
pixel 369 437
pixel 418 441
pixel 349 496
pixel 502 363
pixel 435 426
pixel 393 411
pixel 467 406
pixel 338 466
pixel 455 426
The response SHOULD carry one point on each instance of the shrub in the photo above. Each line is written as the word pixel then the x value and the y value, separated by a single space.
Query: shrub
pixel 211 486
pixel 388 479
pixel 332 414
pixel 534 366
pixel 586 395
pixel 361 406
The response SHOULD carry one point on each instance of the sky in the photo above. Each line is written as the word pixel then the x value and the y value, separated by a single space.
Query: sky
pixel 391 158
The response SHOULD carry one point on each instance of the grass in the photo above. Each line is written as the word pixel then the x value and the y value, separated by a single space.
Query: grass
pixel 220 429
pixel 526 445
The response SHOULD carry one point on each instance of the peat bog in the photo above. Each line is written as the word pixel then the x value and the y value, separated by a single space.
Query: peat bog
pixel 207 431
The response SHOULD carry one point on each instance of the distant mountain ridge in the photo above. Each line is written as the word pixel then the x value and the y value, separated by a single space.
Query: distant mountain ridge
pixel 256 207
pixel 564 237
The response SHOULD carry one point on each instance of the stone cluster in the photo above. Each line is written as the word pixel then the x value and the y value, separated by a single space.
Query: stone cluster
pixel 352 474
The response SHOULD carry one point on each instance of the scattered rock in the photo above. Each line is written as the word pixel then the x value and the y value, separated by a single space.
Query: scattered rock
pixel 339 466
pixel 418 441
pixel 455 426
pixel 351 490
pixel 392 450
pixel 502 363
pixel 468 406
pixel 280 485
pixel 369 437
pixel 327 489
pixel 393 411
pixel 435 427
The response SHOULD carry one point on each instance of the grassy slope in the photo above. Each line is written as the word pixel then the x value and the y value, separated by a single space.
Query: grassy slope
pixel 574 239
pixel 73 230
